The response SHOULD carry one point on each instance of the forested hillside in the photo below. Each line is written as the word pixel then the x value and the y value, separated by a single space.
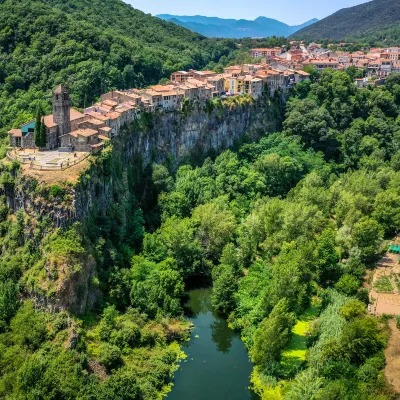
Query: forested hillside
pixel 375 22
pixel 284 229
pixel 91 46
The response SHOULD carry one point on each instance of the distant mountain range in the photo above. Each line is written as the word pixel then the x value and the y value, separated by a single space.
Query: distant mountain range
pixel 375 21
pixel 234 28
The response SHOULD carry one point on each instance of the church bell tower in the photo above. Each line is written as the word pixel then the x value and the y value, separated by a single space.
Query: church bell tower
pixel 61 110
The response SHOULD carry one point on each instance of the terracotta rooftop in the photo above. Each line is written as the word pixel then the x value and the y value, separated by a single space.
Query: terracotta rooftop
pixel 15 132
pixel 60 89
pixel 83 132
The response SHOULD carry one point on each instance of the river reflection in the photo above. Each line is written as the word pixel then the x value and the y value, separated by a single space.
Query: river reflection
pixel 217 365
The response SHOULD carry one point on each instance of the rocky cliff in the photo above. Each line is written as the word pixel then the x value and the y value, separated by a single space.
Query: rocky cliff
pixel 172 138
pixel 111 190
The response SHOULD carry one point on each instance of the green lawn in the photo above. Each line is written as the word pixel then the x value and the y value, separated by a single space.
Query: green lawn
pixel 295 355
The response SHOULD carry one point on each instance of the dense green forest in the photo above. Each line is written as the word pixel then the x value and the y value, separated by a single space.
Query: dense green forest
pixel 284 229
pixel 375 23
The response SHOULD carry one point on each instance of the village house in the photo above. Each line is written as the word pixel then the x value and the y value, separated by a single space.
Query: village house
pixel 272 80
pixel 344 58
pixel 361 82
pixel 248 84
pixel 323 63
pixel 180 76
pixel 390 53
pixel 265 52
pixel 300 76
pixel 217 82
pixel 201 75
pixel 234 70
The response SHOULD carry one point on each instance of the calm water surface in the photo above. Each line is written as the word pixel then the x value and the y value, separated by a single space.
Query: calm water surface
pixel 217 365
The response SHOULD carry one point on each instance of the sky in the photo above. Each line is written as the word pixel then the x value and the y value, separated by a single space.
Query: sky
pixel 292 12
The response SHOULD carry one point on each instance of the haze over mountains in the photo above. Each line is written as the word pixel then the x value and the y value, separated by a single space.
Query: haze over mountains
pixel 233 28
pixel 377 20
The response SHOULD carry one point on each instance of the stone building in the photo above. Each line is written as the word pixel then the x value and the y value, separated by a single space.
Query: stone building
pixel 61 110
pixel 61 122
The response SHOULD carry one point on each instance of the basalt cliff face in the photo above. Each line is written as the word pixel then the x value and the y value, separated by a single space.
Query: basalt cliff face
pixel 171 138
pixel 114 180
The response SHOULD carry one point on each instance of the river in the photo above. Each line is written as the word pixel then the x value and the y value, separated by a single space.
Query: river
pixel 217 366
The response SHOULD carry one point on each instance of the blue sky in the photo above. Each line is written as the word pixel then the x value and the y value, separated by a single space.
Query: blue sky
pixel 290 11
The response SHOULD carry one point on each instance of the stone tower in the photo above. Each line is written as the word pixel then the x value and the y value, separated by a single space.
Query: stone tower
pixel 61 110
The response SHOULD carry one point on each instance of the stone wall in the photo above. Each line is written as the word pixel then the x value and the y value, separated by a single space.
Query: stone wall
pixel 28 141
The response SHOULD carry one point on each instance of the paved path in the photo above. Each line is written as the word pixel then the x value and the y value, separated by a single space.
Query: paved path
pixel 392 355
pixel 47 158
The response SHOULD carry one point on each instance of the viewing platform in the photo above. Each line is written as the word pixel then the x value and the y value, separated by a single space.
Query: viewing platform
pixel 52 160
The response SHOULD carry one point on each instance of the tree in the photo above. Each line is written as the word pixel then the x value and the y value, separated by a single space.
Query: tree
pixel 43 135
pixel 176 239
pixel 225 280
pixel 387 210
pixel 348 285
pixel 312 123
pixel 327 258
pixel 8 302
pixel 122 385
pixel 110 356
pixel 38 127
pixel 353 309
pixel 225 285
pixel 361 339
pixel 162 178
pixel 306 386
pixel 367 236
pixel 156 287
pixel 29 327
pixel 273 335
pixel 215 226
pixel 291 278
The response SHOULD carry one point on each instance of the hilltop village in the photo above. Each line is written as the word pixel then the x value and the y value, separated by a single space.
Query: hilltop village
pixel 377 62
pixel 69 130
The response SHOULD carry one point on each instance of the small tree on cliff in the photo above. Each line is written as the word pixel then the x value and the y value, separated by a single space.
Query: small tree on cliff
pixel 43 138
pixel 38 126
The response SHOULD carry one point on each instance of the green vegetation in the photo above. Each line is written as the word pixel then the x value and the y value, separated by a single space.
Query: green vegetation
pixel 284 228
pixel 375 22
pixel 383 284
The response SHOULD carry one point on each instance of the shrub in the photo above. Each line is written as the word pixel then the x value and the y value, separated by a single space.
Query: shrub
pixel 353 309
pixel 347 285
pixel 361 339
pixel 110 356
pixel 398 321
pixel 57 191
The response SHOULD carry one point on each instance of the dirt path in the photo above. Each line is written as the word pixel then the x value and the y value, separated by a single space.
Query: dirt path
pixel 392 354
